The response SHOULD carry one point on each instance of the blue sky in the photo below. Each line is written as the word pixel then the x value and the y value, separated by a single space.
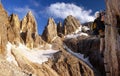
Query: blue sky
pixel 58 9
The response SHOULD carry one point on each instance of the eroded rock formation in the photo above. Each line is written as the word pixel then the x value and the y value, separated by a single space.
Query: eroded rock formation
pixel 112 38
pixel 89 47
pixel 29 31
pixel 50 31
pixel 14 29
pixel 71 24
pixel 3 28
pixel 59 29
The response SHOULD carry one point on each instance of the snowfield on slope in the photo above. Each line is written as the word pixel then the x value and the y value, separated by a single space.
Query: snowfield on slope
pixel 34 55
pixel 79 55
pixel 77 33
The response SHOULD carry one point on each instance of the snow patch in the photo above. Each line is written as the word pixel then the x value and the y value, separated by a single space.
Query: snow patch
pixel 79 29
pixel 85 28
pixel 76 35
pixel 78 55
pixel 34 55
pixel 9 56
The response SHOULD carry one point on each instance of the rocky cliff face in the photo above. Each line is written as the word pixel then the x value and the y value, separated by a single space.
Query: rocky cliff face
pixel 89 47
pixel 50 31
pixel 112 38
pixel 59 29
pixel 14 34
pixel 3 27
pixel 71 24
pixel 29 30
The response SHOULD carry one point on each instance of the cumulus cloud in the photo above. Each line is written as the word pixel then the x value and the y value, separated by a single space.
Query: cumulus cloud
pixel 23 11
pixel 62 10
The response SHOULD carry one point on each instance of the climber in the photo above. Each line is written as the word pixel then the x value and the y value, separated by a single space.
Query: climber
pixel 99 28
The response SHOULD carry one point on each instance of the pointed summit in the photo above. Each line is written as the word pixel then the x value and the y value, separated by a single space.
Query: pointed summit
pixel 3 28
pixel 29 13
pixel 29 23
pixel 29 29
pixel 50 31
pixel 71 24
pixel 2 10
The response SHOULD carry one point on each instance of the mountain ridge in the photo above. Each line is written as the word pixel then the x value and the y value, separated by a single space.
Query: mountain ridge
pixel 21 46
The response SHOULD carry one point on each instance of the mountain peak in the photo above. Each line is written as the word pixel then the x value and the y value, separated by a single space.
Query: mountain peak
pixel 51 21
pixel 30 13
pixel 71 24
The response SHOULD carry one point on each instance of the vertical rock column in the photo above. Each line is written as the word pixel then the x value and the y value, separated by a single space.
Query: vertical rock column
pixel 112 38
pixel 3 29
pixel 50 31
pixel 29 30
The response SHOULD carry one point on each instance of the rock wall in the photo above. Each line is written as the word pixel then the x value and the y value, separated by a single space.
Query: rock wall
pixel 59 29
pixel 29 30
pixel 50 31
pixel 70 25
pixel 14 30
pixel 3 28
pixel 112 38
pixel 89 47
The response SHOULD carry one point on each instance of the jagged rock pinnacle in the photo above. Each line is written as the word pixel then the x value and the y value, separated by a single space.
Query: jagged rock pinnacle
pixel 50 31
pixel 71 24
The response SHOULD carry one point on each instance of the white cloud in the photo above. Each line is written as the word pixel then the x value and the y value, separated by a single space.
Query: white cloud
pixel 23 11
pixel 62 10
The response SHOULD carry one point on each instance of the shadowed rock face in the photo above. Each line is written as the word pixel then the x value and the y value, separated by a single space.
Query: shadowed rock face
pixel 60 29
pixel 70 25
pixel 67 65
pixel 112 38
pixel 3 29
pixel 89 46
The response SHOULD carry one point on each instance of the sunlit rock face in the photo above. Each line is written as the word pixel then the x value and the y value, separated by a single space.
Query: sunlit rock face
pixel 3 28
pixel 29 31
pixel 112 38
pixel 70 25
pixel 14 30
pixel 50 31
